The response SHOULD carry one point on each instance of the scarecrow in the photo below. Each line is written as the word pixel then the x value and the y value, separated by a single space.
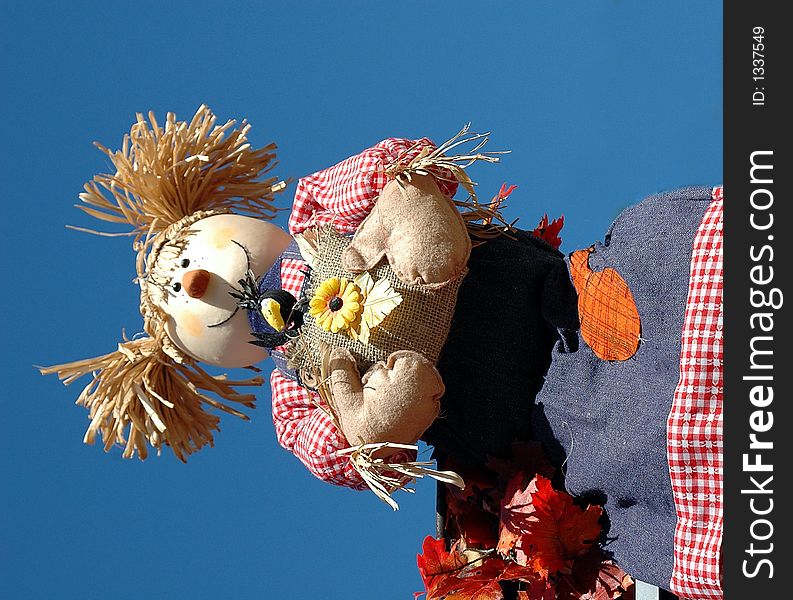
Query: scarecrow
pixel 395 312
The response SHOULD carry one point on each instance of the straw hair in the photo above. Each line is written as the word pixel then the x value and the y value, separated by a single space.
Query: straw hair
pixel 164 174
pixel 138 394
pixel 167 178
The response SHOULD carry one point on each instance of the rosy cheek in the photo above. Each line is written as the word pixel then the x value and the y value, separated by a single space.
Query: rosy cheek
pixel 221 237
pixel 191 324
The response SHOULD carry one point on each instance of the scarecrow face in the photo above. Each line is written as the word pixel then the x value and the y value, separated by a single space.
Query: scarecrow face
pixel 203 319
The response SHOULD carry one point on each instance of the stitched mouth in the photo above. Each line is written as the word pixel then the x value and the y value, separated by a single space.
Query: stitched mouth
pixel 227 319
pixel 247 269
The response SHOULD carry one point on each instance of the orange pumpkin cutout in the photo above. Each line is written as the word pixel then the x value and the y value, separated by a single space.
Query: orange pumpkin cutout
pixel 610 323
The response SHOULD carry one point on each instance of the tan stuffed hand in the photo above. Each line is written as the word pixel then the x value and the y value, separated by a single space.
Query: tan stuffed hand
pixel 396 401
pixel 418 229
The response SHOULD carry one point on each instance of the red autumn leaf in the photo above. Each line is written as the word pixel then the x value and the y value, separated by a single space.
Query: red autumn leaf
pixel 436 565
pixel 475 580
pixel 559 530
pixel 449 575
pixel 516 572
pixel 498 200
pixel 479 580
pixel 514 513
pixel 464 575
pixel 579 528
pixel 544 528
pixel 505 191
pixel 550 232
pixel 594 577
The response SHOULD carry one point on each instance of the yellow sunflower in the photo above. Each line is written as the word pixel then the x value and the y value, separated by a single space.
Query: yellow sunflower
pixel 336 304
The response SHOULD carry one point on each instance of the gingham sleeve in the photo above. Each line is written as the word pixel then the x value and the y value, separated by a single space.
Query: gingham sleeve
pixel 345 193
pixel 308 432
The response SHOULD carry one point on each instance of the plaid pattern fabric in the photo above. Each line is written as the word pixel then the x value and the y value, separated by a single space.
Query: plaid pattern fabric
pixel 342 195
pixel 694 427
pixel 309 433
pixel 345 193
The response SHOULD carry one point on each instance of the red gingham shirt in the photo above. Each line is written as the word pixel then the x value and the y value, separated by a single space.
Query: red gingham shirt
pixel 342 195
pixel 694 427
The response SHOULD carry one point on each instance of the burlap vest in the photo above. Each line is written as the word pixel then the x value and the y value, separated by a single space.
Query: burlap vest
pixel 420 322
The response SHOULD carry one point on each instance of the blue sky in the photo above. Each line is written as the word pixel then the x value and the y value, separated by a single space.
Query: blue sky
pixel 601 103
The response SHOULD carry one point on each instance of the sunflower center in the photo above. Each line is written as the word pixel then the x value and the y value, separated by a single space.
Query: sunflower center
pixel 335 303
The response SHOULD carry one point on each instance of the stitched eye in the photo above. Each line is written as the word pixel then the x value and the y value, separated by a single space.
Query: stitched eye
pixel 177 286
pixel 185 263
